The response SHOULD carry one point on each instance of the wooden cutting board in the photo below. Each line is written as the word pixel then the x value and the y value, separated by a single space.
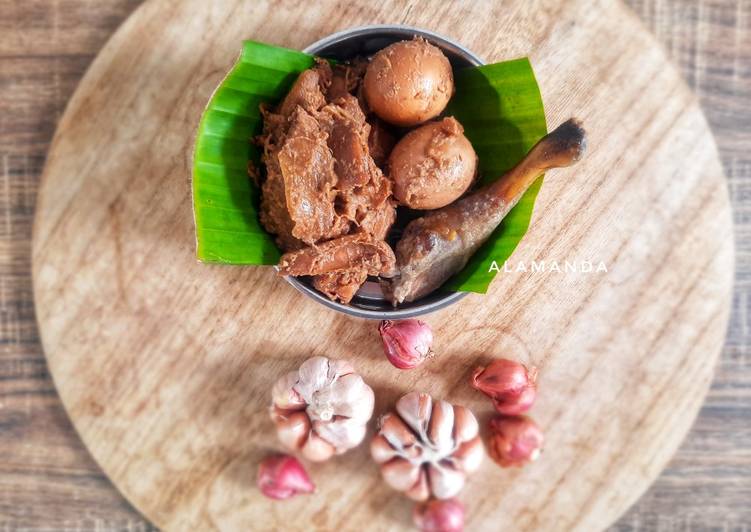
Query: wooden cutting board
pixel 165 364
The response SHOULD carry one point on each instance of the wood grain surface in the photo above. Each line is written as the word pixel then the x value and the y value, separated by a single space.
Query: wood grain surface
pixel 48 481
pixel 164 364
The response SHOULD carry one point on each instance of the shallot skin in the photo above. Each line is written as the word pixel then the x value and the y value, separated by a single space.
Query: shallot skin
pixel 406 343
pixel 510 385
pixel 282 476
pixel 514 440
pixel 439 516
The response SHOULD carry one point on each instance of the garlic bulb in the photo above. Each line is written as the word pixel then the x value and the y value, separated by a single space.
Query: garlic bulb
pixel 322 408
pixel 427 448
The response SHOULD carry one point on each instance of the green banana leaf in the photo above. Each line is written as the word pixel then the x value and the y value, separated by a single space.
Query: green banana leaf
pixel 501 109
pixel 499 106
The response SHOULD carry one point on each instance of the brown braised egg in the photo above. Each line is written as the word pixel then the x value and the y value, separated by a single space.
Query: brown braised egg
pixel 432 165
pixel 408 82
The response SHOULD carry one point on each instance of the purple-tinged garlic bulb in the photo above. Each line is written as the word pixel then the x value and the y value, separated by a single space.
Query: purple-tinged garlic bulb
pixel 322 408
pixel 427 448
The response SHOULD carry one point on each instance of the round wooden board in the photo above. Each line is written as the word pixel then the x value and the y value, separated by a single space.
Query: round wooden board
pixel 165 364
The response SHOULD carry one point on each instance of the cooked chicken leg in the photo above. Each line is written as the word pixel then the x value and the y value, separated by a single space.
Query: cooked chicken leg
pixel 439 244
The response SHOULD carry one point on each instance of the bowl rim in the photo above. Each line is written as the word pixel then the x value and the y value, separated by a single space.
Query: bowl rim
pixel 358 31
pixel 446 44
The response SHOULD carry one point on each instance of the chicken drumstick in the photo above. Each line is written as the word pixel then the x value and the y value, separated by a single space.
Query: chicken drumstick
pixel 439 244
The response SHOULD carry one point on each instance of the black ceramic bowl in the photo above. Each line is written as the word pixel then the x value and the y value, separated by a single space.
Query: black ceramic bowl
pixel 365 41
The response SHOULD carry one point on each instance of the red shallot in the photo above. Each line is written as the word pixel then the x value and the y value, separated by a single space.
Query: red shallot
pixel 406 343
pixel 514 440
pixel 510 385
pixel 439 516
pixel 282 476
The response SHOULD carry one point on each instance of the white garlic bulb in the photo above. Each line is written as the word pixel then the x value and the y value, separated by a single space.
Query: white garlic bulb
pixel 427 448
pixel 322 408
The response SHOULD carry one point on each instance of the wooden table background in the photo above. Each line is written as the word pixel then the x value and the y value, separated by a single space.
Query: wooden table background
pixel 47 479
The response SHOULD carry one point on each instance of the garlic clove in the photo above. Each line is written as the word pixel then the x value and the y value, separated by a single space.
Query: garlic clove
pixel 313 376
pixel 317 449
pixel 342 433
pixel 381 450
pixel 445 481
pixel 415 409
pixel 465 424
pixel 441 427
pixel 400 474
pixel 396 432
pixel 420 491
pixel 351 397
pixel 339 368
pixel 283 394
pixel 469 455
pixel 293 429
